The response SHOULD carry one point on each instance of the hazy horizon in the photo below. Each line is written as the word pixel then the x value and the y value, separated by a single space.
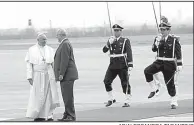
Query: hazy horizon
pixel 90 14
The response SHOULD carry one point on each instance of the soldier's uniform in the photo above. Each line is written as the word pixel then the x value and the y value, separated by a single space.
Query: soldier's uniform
pixel 120 60
pixel 157 79
pixel 168 58
pixel 156 76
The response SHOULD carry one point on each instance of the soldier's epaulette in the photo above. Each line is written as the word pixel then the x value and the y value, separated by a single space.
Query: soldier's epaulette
pixel 176 37
pixel 127 38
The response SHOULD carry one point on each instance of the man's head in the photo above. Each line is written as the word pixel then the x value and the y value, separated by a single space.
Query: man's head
pixel 117 30
pixel 165 29
pixel 165 26
pixel 42 39
pixel 61 34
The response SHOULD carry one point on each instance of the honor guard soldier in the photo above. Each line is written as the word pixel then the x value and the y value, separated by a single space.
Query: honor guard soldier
pixel 168 61
pixel 156 75
pixel 121 62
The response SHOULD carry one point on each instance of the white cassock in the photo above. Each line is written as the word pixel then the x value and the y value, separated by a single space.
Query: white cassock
pixel 43 94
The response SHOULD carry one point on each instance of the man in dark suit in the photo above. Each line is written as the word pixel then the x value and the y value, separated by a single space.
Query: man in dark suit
pixel 66 72
pixel 121 62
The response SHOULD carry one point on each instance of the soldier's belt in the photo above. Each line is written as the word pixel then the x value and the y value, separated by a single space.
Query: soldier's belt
pixel 117 55
pixel 165 59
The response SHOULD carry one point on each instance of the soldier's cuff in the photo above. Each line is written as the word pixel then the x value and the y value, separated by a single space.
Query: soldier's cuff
pixel 179 62
pixel 130 64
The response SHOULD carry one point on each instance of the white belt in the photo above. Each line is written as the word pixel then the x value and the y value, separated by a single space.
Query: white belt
pixel 40 68
pixel 165 59
pixel 118 55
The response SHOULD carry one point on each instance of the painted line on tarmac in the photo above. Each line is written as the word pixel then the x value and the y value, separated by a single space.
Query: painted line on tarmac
pixel 177 117
pixel 6 119
pixel 6 53
pixel 12 51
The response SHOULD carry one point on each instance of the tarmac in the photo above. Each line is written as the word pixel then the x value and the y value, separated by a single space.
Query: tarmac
pixel 89 91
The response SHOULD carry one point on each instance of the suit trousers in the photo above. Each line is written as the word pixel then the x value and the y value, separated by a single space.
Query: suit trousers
pixel 68 98
pixel 124 77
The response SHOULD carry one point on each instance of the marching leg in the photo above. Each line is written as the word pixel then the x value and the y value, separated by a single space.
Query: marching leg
pixel 176 81
pixel 169 80
pixel 109 77
pixel 149 72
pixel 154 89
pixel 124 77
pixel 157 82
pixel 174 103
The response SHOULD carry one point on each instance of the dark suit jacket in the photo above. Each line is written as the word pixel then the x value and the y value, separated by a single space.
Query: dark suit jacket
pixel 64 62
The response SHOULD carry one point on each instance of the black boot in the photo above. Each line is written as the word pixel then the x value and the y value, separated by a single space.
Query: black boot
pixel 39 119
pixel 50 120
pixel 67 119
pixel 152 94
pixel 126 105
pixel 173 106
pixel 110 102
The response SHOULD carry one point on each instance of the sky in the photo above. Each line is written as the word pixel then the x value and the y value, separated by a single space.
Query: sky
pixel 87 14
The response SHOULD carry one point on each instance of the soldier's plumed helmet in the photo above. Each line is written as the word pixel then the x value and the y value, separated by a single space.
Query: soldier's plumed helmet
pixel 164 19
pixel 164 23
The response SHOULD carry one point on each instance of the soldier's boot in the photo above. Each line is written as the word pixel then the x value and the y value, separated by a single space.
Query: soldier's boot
pixel 174 103
pixel 111 99
pixel 153 89
pixel 126 105
pixel 174 99
pixel 110 102
pixel 176 84
pixel 127 100
pixel 157 82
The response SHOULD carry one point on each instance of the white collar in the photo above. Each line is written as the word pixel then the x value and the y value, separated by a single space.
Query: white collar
pixel 166 37
pixel 41 47
pixel 118 38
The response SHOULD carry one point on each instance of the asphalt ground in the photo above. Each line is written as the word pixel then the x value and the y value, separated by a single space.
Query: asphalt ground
pixel 89 91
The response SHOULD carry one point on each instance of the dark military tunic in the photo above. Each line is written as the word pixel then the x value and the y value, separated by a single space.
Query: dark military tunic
pixel 169 49
pixel 116 48
pixel 120 60
pixel 168 58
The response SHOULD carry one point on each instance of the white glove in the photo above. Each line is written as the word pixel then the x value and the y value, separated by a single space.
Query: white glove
pixel 179 68
pixel 158 38
pixel 111 39
pixel 156 43
pixel 130 68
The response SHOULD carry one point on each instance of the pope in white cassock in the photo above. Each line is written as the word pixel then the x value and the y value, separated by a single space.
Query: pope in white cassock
pixel 43 94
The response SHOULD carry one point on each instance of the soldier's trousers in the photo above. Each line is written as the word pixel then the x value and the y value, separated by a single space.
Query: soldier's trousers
pixel 124 77
pixel 168 70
